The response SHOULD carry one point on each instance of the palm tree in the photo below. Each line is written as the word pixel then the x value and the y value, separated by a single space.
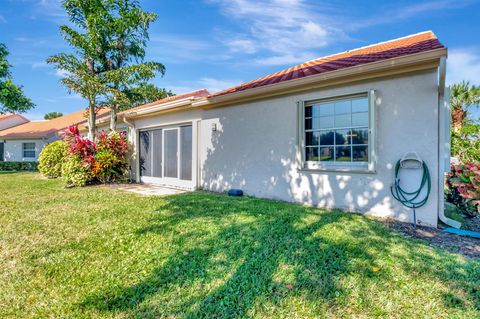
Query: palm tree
pixel 462 96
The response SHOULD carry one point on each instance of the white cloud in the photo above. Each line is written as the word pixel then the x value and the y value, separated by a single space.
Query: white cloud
pixel 285 59
pixel 463 64
pixel 211 84
pixel 277 27
pixel 61 73
pixel 36 65
pixel 241 45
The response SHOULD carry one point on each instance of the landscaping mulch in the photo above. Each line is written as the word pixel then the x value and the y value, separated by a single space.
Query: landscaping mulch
pixel 467 246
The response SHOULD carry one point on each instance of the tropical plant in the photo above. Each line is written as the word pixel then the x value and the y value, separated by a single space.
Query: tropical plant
pixel 52 115
pixel 465 143
pixel 465 179
pixel 51 159
pixel 74 172
pixel 462 96
pixel 127 31
pixel 83 72
pixel 12 98
pixel 111 162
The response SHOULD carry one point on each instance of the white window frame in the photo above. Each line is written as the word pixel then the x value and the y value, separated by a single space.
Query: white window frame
pixel 358 167
pixel 29 149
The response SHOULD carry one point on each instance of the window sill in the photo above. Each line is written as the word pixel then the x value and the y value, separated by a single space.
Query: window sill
pixel 360 169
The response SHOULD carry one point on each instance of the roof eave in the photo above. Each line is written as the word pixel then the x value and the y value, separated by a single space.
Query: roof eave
pixel 398 65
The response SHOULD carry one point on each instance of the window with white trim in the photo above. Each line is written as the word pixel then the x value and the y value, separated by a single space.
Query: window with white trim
pixel 28 150
pixel 336 132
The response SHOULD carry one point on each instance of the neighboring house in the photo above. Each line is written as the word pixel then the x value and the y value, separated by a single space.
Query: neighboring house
pixel 7 121
pixel 24 142
pixel 326 133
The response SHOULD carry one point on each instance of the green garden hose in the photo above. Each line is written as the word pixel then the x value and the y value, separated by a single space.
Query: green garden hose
pixel 412 199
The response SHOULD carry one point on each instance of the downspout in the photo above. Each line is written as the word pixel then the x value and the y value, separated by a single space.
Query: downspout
pixel 444 143
pixel 134 171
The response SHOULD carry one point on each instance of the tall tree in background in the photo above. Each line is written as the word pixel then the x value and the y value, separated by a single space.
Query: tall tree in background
pixel 12 98
pixel 462 96
pixel 52 115
pixel 84 74
pixel 128 74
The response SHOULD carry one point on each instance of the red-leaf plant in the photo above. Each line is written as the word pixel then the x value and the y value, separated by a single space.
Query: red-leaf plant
pixel 80 146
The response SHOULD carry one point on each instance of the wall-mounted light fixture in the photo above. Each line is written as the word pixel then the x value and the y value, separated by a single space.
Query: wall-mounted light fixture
pixel 214 127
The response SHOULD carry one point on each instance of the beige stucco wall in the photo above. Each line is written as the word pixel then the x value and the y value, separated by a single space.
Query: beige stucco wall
pixel 13 151
pixel 254 149
pixel 255 145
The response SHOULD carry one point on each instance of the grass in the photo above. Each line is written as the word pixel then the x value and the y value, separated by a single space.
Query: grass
pixel 101 253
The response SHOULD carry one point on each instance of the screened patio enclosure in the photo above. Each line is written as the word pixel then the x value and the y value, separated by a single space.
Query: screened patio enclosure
pixel 166 156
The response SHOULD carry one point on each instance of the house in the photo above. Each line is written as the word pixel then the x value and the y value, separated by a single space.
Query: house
pixel 7 121
pixel 23 143
pixel 326 133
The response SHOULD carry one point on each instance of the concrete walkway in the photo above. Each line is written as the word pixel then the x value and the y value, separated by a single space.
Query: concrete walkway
pixel 148 189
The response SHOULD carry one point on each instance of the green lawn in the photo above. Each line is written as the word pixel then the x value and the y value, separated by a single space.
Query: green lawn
pixel 97 252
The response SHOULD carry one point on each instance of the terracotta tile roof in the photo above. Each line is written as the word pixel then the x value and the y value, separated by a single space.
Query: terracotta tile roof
pixel 5 116
pixel 46 129
pixel 195 94
pixel 412 44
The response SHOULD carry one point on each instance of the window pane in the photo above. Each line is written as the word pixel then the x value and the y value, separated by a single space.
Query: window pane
pixel 311 153
pixel 145 155
pixel 186 156
pixel 29 146
pixel 360 105
pixel 360 136
pixel 316 110
pixel 360 153
pixel 171 153
pixel 29 154
pixel 343 107
pixel 326 122
pixel 308 111
pixel 327 137
pixel 360 119
pixel 342 137
pixel 326 154
pixel 308 124
pixel 343 153
pixel 312 138
pixel 343 120
pixel 327 109
pixel 156 150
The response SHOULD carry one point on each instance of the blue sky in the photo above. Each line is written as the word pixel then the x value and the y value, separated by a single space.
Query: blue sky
pixel 216 44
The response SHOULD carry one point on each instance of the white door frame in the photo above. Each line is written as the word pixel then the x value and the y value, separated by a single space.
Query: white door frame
pixel 170 181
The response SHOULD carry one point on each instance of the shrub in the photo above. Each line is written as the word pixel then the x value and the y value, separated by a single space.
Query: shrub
pixel 464 181
pixel 18 166
pixel 111 157
pixel 106 161
pixel 75 172
pixel 51 159
pixel 466 143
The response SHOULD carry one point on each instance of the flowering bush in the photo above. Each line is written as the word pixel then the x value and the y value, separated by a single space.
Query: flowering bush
pixel 465 181
pixel 111 157
pixel 51 159
pixel 105 161
pixel 74 172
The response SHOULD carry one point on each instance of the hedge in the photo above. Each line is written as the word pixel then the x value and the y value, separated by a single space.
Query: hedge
pixel 18 166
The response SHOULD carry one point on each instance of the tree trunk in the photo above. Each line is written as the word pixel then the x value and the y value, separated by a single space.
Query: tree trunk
pixel 113 118
pixel 458 116
pixel 92 119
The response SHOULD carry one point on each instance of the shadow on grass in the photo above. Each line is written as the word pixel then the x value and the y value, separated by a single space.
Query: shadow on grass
pixel 262 252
